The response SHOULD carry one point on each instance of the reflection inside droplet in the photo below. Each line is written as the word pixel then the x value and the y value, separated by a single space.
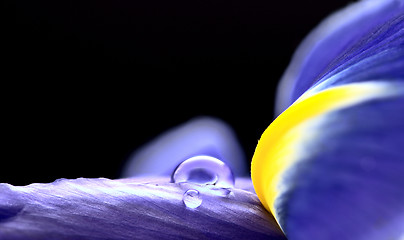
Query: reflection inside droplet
pixel 204 170
pixel 192 199
pixel 202 176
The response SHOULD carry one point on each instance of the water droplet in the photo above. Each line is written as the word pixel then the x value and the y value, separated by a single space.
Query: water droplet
pixel 223 192
pixel 204 170
pixel 192 199
pixel 231 195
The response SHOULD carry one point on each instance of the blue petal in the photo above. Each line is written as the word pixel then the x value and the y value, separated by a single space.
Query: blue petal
pixel 343 39
pixel 350 183
pixel 200 136
pixel 126 209
pixel 339 163
pixel 378 57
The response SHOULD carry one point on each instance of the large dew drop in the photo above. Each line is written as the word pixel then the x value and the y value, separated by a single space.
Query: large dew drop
pixel 204 170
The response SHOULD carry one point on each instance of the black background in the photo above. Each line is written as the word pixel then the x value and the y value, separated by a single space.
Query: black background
pixel 87 82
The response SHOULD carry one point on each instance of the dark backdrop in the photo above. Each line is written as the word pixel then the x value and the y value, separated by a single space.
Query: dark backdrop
pixel 87 82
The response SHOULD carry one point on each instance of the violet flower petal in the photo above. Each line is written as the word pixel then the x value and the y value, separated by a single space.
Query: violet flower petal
pixel 96 209
pixel 350 183
pixel 377 57
pixel 199 136
pixel 338 159
pixel 332 40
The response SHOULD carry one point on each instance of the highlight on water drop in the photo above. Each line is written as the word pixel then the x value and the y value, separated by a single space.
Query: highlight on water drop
pixel 204 170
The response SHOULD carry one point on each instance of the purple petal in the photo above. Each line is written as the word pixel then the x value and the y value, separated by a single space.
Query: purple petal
pixel 200 136
pixel 345 36
pixel 126 209
pixel 350 183
pixel 379 57
pixel 345 178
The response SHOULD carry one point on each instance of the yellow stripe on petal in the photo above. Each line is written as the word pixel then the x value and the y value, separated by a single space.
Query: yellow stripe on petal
pixel 280 146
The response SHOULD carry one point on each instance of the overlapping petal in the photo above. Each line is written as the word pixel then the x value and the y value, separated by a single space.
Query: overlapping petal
pixel 331 165
pixel 350 183
pixel 377 57
pixel 304 170
pixel 128 209
pixel 347 37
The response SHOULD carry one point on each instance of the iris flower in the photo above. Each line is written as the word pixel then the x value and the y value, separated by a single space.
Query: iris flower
pixel 331 165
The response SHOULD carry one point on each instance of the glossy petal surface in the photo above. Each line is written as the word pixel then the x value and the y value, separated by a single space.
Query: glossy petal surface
pixel 127 209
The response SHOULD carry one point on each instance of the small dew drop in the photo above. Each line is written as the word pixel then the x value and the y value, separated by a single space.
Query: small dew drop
pixel 204 170
pixel 192 199
pixel 223 192
pixel 231 195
